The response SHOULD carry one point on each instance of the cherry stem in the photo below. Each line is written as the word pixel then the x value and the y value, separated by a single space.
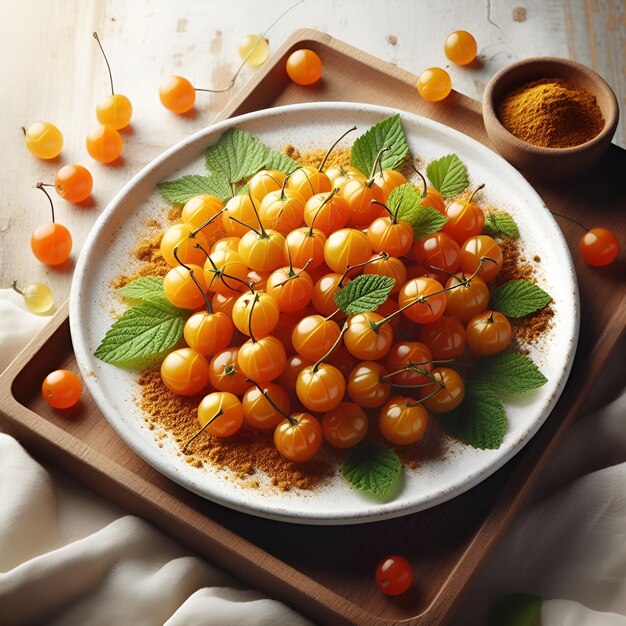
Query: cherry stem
pixel 270 176
pixel 321 167
pixel 221 273
pixel 255 299
pixel 441 387
pixel 16 288
pixel 252 228
pixel 308 180
pixel 422 300
pixel 293 275
pixel 41 186
pixel 207 304
pixel 243 62
pixel 262 234
pixel 410 367
pixel 569 219
pixel 333 347
pixel 95 36
pixel 266 394
pixel 428 384
pixel 329 317
pixel 381 256
pixel 283 196
pixel 327 199
pixel 23 130
pixel 475 192
pixel 424 193
pixel 197 434
pixel 211 219
pixel 376 161
pixel 393 214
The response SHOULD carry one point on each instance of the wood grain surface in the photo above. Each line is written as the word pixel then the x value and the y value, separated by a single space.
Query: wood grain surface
pixel 326 571
pixel 51 69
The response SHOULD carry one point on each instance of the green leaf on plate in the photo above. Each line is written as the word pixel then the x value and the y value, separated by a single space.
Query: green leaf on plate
pixel 500 225
pixel 142 289
pixel 480 420
pixel 363 294
pixel 373 469
pixel 407 200
pixel 518 298
pixel 512 372
pixel 144 334
pixel 516 609
pixel 236 156
pixel 388 133
pixel 276 160
pixel 181 189
pixel 448 175
pixel 403 200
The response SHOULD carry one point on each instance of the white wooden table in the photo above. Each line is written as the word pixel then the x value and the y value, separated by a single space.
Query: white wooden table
pixel 51 69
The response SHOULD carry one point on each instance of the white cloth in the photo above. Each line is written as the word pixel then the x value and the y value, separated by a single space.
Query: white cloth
pixel 69 557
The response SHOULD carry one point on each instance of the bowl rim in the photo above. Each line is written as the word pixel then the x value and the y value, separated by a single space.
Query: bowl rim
pixel 490 116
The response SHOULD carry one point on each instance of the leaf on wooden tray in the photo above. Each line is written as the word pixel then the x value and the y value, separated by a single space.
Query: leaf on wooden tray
pixel 516 609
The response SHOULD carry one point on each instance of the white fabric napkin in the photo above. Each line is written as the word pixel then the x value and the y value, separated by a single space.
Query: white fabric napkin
pixel 69 557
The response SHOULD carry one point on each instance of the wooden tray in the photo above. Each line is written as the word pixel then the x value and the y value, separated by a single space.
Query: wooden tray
pixel 327 572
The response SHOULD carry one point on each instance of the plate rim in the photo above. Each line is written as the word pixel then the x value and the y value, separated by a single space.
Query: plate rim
pixel 83 356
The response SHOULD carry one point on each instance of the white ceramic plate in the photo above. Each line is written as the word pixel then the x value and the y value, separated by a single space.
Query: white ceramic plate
pixel 107 254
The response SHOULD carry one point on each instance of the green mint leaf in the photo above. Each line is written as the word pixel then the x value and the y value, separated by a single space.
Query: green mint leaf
pixel 403 200
pixel 518 298
pixel 407 201
pixel 512 372
pixel 386 134
pixel 426 222
pixel 142 289
pixel 236 156
pixel 144 334
pixel 373 469
pixel 276 160
pixel 480 420
pixel 448 175
pixel 500 225
pixel 181 189
pixel 516 609
pixel 363 294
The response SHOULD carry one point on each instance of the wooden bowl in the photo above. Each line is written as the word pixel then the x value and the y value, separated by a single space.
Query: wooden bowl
pixel 536 161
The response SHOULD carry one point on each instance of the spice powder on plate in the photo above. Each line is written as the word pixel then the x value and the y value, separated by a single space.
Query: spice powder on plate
pixel 551 113
pixel 253 451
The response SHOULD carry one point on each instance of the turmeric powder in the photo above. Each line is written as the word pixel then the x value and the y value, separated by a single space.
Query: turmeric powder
pixel 551 113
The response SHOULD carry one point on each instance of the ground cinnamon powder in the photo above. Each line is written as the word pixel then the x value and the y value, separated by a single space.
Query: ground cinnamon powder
pixel 551 113
pixel 339 156
pixel 243 454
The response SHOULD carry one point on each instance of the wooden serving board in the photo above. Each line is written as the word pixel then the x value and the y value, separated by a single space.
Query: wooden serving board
pixel 327 572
